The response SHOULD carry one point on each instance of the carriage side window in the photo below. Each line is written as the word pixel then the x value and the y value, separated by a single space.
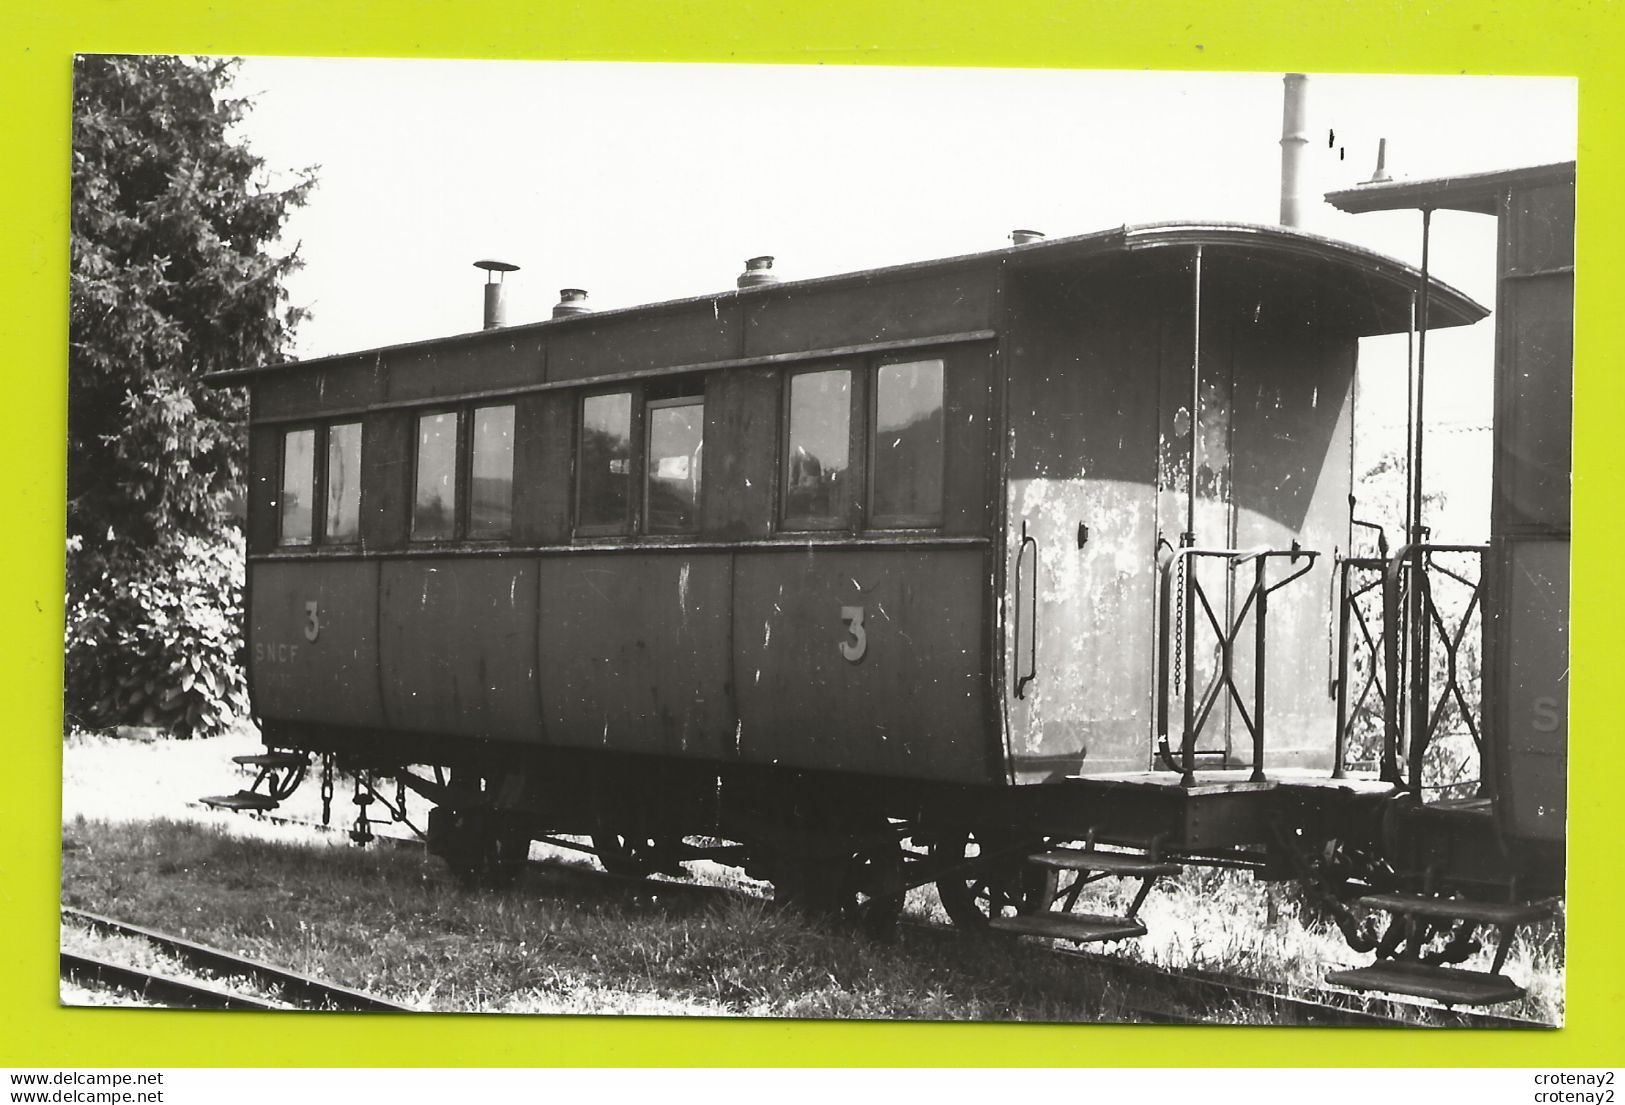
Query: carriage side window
pixel 907 456
pixel 676 448
pixel 342 522
pixel 490 494
pixel 434 505
pixel 298 487
pixel 817 450
pixel 603 493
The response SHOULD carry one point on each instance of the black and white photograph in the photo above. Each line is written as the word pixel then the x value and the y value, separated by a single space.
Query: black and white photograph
pixel 820 542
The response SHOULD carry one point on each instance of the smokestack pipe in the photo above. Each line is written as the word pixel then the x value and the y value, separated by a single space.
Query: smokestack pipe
pixel 496 302
pixel 1294 144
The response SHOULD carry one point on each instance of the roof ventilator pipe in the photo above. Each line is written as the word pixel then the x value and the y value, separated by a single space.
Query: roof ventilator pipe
pixel 496 302
pixel 572 301
pixel 758 272
pixel 1381 175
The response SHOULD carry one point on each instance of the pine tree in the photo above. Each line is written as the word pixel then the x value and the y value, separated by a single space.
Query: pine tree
pixel 173 276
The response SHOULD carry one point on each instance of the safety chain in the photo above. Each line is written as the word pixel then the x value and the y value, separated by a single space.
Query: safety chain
pixel 1177 659
pixel 327 789
pixel 361 833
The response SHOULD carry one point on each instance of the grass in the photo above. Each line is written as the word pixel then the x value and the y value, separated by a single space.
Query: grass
pixel 390 921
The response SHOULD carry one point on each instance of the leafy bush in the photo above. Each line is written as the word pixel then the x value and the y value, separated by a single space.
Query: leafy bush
pixel 176 271
pixel 157 639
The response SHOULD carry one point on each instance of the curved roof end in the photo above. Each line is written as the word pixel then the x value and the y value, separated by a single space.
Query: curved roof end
pixel 1371 291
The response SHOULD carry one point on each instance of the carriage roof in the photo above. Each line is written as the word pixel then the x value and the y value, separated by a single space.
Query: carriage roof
pixel 1372 291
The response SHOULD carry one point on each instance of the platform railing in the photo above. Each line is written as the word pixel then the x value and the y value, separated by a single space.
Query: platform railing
pixel 1180 635
pixel 1361 683
pixel 1422 645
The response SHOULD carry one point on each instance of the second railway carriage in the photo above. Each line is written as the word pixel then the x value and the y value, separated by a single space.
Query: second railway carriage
pixel 861 582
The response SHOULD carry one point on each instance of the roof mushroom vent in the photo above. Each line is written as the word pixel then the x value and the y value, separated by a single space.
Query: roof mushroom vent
pixel 1026 237
pixel 572 301
pixel 758 272
pixel 496 304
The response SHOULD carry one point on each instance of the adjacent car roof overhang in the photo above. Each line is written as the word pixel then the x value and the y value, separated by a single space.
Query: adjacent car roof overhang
pixel 1355 289
pixel 1481 193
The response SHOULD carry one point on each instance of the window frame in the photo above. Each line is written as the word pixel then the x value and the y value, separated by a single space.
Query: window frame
pixel 631 515
pixel 465 460
pixel 873 519
pixel 856 452
pixel 317 471
pixel 647 429
pixel 324 437
pixel 462 474
pixel 457 470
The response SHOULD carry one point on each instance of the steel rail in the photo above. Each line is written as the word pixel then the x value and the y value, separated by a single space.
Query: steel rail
pixel 302 991
pixel 165 989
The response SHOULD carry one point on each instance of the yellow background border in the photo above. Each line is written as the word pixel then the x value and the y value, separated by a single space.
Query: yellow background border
pixel 37 41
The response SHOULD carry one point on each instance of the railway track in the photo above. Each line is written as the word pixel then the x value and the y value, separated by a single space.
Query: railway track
pixel 1207 997
pixel 297 991
pixel 1217 993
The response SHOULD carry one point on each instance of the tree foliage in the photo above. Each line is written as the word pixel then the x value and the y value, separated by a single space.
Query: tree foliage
pixel 173 276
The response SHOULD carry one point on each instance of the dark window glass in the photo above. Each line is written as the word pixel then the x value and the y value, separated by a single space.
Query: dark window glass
pixel 815 462
pixel 490 497
pixel 907 467
pixel 606 462
pixel 676 444
pixel 343 483
pixel 434 508
pixel 298 486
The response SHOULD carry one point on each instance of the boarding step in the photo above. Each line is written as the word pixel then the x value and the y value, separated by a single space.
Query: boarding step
pixel 1126 864
pixel 1448 985
pixel 1458 909
pixel 242 800
pixel 1080 928
pixel 276 761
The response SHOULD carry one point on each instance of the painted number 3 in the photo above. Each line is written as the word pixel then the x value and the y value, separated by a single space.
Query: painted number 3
pixel 313 625
pixel 854 649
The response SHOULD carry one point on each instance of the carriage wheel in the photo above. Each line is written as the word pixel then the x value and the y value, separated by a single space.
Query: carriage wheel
pixel 1003 887
pixel 486 856
pixel 871 895
pixel 863 888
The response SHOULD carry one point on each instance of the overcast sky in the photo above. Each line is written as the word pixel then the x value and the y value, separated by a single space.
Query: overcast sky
pixel 649 182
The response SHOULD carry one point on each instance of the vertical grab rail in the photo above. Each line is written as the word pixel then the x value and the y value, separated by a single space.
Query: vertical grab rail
pixel 1225 634
pixel 1352 616
pixel 1032 628
pixel 1427 625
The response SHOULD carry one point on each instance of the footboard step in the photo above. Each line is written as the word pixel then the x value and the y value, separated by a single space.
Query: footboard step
pixel 1448 985
pixel 1468 909
pixel 276 760
pixel 242 800
pixel 1112 863
pixel 1081 928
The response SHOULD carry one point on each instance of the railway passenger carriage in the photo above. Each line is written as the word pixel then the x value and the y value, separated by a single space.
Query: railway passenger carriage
pixel 904 576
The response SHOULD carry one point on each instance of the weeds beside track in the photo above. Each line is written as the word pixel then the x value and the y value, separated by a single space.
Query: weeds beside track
pixel 571 938
pixel 296 990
